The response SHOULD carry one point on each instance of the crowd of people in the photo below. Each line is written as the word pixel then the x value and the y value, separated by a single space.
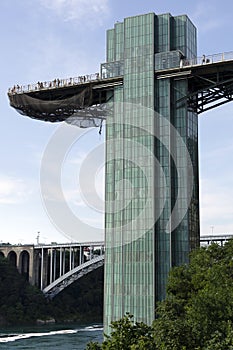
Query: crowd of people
pixel 56 83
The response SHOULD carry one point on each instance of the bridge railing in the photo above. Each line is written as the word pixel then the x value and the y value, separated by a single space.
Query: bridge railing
pixel 69 245
pixel 53 84
pixel 219 237
pixel 215 58
pixel 61 83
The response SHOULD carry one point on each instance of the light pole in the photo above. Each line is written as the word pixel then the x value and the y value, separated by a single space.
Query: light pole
pixel 38 237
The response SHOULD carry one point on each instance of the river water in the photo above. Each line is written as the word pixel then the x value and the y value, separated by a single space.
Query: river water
pixel 57 337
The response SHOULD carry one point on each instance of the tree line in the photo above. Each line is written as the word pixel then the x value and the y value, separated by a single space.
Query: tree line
pixel 197 313
pixel 21 303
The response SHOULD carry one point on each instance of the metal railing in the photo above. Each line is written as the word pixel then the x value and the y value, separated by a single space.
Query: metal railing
pixel 215 58
pixel 69 245
pixel 61 83
pixel 53 84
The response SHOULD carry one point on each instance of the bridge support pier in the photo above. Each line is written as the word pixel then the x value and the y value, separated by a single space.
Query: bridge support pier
pixel 44 268
pixel 44 264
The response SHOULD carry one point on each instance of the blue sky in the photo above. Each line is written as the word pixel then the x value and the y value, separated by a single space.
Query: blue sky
pixel 47 39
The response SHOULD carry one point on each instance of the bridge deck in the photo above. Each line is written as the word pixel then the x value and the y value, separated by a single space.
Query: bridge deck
pixel 210 84
pixel 70 245
pixel 56 103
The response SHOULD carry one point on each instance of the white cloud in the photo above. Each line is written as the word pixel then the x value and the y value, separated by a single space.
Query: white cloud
pixel 13 190
pixel 83 12
pixel 216 207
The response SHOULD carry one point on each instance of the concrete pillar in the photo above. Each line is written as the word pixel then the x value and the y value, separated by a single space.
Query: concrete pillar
pixel 73 250
pixel 44 268
pixel 51 266
pixel 80 255
pixel 37 258
pixel 64 261
pixel 70 259
pixel 60 271
pixel 54 264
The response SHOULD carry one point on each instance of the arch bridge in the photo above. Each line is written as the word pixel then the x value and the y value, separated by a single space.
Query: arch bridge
pixel 75 261
pixel 52 267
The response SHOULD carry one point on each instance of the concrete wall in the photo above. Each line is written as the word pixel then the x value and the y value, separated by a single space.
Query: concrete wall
pixel 24 258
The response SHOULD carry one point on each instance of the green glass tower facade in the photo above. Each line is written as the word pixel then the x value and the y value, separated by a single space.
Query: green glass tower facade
pixel 141 242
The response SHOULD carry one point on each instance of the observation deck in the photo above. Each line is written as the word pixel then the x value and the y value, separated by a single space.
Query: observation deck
pixel 210 80
pixel 58 100
pixel 210 84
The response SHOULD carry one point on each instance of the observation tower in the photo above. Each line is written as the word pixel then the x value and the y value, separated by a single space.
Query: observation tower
pixel 150 92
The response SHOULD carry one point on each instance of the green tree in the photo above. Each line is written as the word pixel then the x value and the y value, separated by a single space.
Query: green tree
pixel 126 335
pixel 198 310
pixel 196 314
pixel 19 301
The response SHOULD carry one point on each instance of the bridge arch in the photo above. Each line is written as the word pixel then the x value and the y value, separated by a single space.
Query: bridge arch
pixel 12 257
pixel 2 255
pixel 73 275
pixel 24 263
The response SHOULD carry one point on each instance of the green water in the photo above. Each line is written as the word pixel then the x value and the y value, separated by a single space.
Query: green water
pixel 58 337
